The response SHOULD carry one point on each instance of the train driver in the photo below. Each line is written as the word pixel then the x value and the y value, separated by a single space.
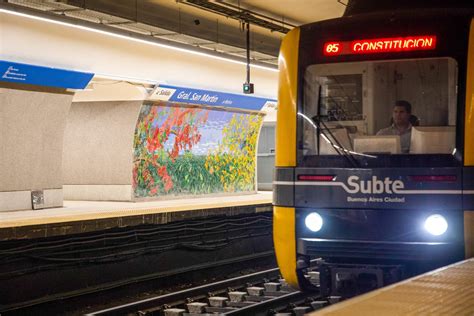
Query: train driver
pixel 402 121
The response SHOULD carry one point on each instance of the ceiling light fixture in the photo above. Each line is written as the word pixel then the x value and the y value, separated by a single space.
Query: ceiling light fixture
pixel 117 33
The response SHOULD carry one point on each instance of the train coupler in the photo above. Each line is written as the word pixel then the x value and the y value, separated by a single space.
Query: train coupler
pixel 348 280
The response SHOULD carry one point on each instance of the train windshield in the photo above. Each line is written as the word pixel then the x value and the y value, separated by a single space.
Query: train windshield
pixel 379 112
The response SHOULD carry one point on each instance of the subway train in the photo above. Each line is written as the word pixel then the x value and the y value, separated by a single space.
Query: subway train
pixel 375 147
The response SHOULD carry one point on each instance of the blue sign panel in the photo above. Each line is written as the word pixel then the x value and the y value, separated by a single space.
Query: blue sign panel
pixel 206 97
pixel 43 76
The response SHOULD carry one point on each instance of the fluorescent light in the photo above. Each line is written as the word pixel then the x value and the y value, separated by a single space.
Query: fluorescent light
pixel 130 38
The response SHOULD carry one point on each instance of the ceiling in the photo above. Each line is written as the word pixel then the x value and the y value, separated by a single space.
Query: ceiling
pixel 215 26
pixel 296 12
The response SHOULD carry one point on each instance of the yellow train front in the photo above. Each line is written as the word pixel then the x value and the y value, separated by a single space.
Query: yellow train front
pixel 375 147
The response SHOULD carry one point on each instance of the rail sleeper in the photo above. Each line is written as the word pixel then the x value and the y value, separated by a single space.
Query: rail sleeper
pixel 196 307
pixel 174 312
pixel 218 301
pixel 237 296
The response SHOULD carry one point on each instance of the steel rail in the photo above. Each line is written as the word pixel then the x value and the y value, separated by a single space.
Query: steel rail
pixel 199 292
pixel 262 308
pixel 181 296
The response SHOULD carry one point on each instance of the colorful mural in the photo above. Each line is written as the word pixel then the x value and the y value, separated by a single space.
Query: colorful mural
pixel 188 150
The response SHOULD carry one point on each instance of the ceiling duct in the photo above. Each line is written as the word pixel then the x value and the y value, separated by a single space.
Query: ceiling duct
pixel 234 12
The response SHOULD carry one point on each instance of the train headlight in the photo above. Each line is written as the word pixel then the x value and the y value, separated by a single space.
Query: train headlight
pixel 314 222
pixel 436 224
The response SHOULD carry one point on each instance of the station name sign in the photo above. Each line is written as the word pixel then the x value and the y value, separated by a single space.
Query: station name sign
pixel 380 45
pixel 43 76
pixel 208 98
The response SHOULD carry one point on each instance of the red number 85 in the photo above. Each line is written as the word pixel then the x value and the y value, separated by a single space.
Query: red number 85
pixel 332 48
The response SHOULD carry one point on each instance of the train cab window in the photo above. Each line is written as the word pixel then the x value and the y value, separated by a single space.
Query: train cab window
pixel 360 109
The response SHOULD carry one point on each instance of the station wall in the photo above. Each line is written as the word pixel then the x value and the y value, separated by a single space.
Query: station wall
pixel 97 154
pixel 113 111
pixel 31 145
pixel 130 150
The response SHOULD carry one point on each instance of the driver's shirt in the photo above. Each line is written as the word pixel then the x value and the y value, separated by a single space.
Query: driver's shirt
pixel 405 136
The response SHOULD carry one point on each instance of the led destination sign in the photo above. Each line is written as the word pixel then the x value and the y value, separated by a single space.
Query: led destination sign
pixel 380 45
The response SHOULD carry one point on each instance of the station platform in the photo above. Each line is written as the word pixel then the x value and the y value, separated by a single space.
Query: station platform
pixel 88 216
pixel 445 291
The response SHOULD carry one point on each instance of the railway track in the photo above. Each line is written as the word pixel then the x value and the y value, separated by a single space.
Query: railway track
pixel 260 293
pixel 76 274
